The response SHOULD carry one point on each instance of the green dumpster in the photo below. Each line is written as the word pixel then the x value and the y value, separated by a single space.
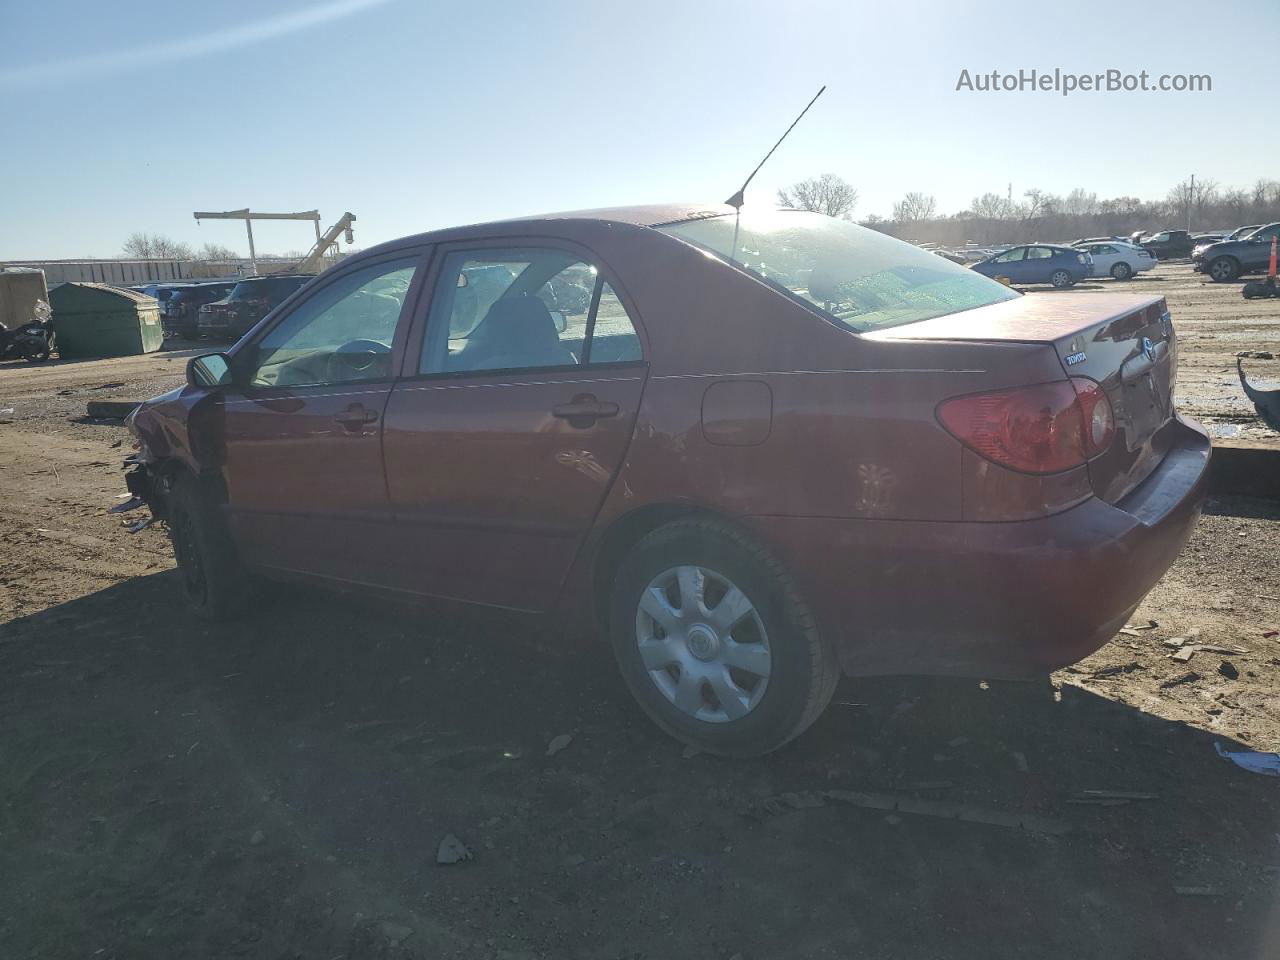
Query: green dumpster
pixel 99 320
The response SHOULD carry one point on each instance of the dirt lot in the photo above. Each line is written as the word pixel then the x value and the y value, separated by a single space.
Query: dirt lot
pixel 278 788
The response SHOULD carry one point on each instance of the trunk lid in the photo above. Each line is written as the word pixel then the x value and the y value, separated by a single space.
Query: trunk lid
pixel 1125 342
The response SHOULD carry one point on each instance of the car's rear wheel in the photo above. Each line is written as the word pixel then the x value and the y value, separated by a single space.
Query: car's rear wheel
pixel 1224 269
pixel 714 642
pixel 1062 279
pixel 1122 271
pixel 214 581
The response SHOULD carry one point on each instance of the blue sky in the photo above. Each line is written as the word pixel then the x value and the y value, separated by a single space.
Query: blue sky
pixel 416 114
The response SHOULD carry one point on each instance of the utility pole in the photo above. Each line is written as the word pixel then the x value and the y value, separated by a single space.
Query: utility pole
pixel 1191 198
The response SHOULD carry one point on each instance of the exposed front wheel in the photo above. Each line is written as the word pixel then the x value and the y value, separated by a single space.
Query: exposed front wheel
pixel 214 582
pixel 1061 279
pixel 714 642
pixel 1224 269
pixel 1122 271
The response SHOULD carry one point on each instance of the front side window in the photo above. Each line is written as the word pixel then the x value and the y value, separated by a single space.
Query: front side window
pixel 860 278
pixel 523 308
pixel 1017 253
pixel 343 333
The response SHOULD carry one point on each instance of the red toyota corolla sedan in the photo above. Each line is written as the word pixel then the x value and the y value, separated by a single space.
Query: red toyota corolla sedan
pixel 753 451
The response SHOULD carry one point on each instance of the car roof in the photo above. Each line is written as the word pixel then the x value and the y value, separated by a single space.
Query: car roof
pixel 642 215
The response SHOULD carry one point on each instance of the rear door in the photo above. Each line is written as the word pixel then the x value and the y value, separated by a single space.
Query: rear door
pixel 504 436
pixel 303 460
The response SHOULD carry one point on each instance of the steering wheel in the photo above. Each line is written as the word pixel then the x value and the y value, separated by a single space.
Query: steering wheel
pixel 356 358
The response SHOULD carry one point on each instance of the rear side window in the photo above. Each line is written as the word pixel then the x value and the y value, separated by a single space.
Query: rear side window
pixel 524 308
pixel 1039 253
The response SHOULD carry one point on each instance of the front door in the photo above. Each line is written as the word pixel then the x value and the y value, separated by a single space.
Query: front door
pixel 505 437
pixel 306 490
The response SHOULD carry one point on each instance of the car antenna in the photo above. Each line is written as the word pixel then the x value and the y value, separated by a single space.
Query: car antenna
pixel 738 199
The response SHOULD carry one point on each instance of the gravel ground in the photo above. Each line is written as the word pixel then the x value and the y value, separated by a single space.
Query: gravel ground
pixel 279 787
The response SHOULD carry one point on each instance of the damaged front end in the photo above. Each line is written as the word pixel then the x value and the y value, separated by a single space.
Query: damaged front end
pixel 174 432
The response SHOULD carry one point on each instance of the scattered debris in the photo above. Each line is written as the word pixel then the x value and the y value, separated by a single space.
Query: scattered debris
pixel 1189 677
pixel 141 525
pixel 958 742
pixel 894 803
pixel 690 752
pixel 257 837
pixel 1228 670
pixel 133 503
pixel 1135 629
pixel 1211 648
pixel 1020 761
pixel 1209 890
pixel 452 850
pixel 1256 355
pixel 558 744
pixel 1267 764
pixel 1129 667
pixel 1271 633
pixel 1110 798
pixel 1183 654
pixel 397 933
pixel 1174 642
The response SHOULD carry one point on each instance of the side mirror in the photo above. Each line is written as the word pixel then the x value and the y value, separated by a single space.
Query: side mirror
pixel 558 319
pixel 210 370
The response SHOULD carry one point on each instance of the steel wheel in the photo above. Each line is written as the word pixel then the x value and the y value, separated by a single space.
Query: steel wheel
pixel 703 643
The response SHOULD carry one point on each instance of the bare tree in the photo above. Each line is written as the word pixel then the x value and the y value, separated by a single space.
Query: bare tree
pixel 991 206
pixel 915 207
pixel 827 194
pixel 216 251
pixel 1078 203
pixel 155 246
pixel 1037 204
pixel 1191 196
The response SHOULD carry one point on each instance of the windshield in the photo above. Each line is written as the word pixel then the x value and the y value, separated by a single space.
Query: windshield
pixel 863 279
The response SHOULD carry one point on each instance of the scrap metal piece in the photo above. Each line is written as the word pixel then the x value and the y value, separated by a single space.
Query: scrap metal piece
pixel 1266 402
pixel 133 503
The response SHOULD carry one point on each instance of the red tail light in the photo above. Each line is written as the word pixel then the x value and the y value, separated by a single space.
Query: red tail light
pixel 1045 428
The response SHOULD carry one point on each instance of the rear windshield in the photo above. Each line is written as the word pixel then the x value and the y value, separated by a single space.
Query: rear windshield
pixel 862 279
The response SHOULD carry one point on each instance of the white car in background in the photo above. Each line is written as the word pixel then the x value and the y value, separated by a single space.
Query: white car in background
pixel 1117 258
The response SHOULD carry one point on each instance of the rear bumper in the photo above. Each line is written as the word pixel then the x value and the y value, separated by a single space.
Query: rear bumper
pixel 993 599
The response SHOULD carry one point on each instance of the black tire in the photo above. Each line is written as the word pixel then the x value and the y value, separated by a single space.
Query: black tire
pixel 804 669
pixel 1122 271
pixel 1223 269
pixel 214 581
pixel 36 353
pixel 1061 279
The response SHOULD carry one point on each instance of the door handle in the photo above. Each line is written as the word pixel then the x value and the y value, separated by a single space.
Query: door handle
pixel 584 410
pixel 355 417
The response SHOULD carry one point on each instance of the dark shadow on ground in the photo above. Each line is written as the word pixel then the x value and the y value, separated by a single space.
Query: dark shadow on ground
pixel 278 788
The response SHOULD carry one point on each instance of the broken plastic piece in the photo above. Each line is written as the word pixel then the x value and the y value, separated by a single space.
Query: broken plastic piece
pixel 1267 764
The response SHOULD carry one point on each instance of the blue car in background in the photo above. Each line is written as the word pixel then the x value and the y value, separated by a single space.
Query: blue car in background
pixel 1038 263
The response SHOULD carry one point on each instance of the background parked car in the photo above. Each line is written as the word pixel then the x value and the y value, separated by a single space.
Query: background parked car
pixel 1039 263
pixel 181 310
pixel 1117 258
pixel 248 302
pixel 1239 233
pixel 1169 244
pixel 1228 259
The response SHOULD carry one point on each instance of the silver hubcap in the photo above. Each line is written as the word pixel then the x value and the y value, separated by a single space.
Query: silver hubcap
pixel 703 644
pixel 1060 279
